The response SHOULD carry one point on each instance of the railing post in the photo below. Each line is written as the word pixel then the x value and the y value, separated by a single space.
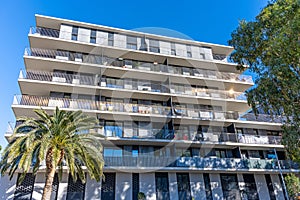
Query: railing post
pixel 281 176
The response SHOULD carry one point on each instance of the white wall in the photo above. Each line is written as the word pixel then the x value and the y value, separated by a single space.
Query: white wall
pixel 7 187
pixel 92 189
pixel 65 32
pixel 119 40
pixel 173 187
pixel 147 185
pixel 102 38
pixel 180 50
pixel 216 186
pixel 197 186
pixel 38 186
pixel 165 47
pixel 123 186
pixel 84 35
pixel 278 189
pixel 195 52
pixel 262 188
pixel 63 187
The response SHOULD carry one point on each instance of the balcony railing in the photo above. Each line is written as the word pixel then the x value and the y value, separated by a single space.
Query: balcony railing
pixel 121 107
pixel 132 108
pixel 152 133
pixel 139 85
pixel 121 43
pixel 197 162
pixel 138 65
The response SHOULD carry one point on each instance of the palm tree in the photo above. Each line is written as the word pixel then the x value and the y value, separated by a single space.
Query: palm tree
pixel 57 140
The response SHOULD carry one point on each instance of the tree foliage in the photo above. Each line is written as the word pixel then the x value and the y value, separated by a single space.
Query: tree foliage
pixel 293 185
pixel 56 140
pixel 270 47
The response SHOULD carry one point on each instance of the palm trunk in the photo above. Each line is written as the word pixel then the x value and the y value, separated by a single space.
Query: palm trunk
pixel 48 185
pixel 50 172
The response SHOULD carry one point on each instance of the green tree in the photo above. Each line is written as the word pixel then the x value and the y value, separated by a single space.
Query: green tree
pixel 270 47
pixel 58 140
pixel 293 185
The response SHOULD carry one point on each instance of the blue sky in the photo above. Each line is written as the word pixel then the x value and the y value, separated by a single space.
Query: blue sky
pixel 202 20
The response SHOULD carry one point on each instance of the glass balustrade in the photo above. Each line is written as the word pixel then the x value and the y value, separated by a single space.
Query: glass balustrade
pixel 137 65
pixel 128 84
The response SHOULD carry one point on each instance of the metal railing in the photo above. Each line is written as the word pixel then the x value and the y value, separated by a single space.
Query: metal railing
pixel 144 66
pixel 122 43
pixel 91 105
pixel 129 108
pixel 197 162
pixel 258 139
pixel 140 85
pixel 262 118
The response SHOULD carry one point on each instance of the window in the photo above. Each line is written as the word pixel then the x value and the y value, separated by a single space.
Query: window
pixel 188 51
pixel 183 183
pixel 207 186
pixel 112 152
pixel 93 36
pixel 270 187
pixel 250 191
pixel 154 46
pixel 76 189
pixel 131 42
pixel 173 49
pixel 230 186
pixel 108 187
pixel 202 55
pixel 162 186
pixel 24 190
pixel 74 33
pixel 110 39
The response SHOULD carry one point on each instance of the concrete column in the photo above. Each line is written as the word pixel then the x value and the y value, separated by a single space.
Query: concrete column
pixel 39 185
pixel 278 188
pixel 63 187
pixel 7 187
pixel 92 189
pixel 241 182
pixel 173 187
pixel 147 185
pixel 197 186
pixel 262 188
pixel 216 186
pixel 123 186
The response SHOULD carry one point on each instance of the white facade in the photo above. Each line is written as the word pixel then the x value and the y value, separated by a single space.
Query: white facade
pixel 171 109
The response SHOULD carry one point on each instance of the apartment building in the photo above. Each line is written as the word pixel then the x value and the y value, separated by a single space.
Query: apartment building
pixel 173 111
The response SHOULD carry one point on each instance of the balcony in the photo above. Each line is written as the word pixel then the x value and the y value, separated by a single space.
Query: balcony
pixel 202 53
pixel 210 163
pixel 128 84
pixel 139 65
pixel 197 114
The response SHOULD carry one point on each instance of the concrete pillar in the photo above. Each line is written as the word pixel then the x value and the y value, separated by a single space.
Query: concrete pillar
pixel 92 189
pixel 278 188
pixel 39 185
pixel 173 187
pixel 147 185
pixel 7 187
pixel 216 186
pixel 197 186
pixel 123 186
pixel 63 187
pixel 262 188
